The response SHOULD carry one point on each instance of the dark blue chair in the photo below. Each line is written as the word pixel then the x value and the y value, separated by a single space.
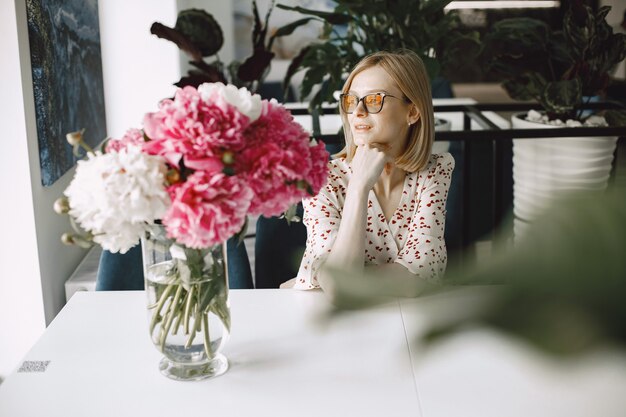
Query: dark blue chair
pixel 278 250
pixel 118 272
pixel 274 89
pixel 441 88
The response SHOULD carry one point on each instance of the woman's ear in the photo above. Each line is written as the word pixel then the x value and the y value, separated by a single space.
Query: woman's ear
pixel 414 114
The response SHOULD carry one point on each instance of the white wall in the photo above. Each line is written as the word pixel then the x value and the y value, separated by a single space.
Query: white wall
pixel 139 68
pixel 138 71
pixel 22 316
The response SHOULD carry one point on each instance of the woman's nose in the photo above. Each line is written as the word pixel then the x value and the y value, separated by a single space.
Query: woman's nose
pixel 360 109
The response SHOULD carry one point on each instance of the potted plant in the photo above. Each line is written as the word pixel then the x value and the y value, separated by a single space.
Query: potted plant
pixel 355 29
pixel 561 70
pixel 199 35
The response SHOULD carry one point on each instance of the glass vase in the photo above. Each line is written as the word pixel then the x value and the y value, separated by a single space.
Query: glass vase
pixel 189 315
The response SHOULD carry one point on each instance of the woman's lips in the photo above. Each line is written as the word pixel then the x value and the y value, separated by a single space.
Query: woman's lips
pixel 362 127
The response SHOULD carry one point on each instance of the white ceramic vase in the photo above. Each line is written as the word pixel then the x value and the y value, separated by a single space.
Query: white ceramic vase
pixel 547 168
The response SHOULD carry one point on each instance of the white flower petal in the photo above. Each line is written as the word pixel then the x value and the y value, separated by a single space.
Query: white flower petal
pixel 116 195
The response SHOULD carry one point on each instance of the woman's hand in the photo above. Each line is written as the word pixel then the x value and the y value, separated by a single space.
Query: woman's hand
pixel 367 165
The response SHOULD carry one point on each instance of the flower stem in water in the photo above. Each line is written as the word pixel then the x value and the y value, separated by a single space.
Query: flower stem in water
pixel 207 338
pixel 170 314
pixel 156 316
pixel 190 297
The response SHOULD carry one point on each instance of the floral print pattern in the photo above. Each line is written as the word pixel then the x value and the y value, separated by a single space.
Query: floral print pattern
pixel 413 236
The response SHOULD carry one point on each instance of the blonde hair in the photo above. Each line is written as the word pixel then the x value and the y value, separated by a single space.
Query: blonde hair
pixel 408 72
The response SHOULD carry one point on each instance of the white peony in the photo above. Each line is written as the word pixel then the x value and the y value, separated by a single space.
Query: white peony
pixel 246 102
pixel 116 195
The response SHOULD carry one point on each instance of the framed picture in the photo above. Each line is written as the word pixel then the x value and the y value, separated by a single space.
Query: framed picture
pixel 64 38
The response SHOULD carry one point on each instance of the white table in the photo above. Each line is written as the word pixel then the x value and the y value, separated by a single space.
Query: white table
pixel 285 361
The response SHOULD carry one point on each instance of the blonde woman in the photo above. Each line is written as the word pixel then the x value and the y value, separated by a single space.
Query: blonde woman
pixel 383 207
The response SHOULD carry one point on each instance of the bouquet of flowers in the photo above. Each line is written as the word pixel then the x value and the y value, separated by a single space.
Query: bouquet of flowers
pixel 204 161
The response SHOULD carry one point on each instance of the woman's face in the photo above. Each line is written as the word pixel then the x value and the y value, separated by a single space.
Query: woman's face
pixel 389 127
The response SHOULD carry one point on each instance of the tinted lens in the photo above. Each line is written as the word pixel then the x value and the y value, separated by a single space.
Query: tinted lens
pixel 373 102
pixel 349 102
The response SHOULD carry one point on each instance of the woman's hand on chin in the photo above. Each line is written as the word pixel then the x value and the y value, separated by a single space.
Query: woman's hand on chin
pixel 367 165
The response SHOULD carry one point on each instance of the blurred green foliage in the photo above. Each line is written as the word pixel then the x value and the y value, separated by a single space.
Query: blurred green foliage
pixel 560 287
pixel 358 28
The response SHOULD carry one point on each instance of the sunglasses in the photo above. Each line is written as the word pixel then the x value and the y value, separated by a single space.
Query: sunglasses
pixel 373 102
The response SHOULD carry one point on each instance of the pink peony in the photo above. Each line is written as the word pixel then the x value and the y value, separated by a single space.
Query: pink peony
pixel 207 209
pixel 272 177
pixel 195 130
pixel 132 137
pixel 278 161
pixel 318 174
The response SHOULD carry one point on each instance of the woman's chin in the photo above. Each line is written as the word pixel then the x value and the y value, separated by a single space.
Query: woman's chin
pixel 362 134
pixel 360 140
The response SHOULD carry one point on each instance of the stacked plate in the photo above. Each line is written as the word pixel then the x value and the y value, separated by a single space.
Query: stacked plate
pixel 547 168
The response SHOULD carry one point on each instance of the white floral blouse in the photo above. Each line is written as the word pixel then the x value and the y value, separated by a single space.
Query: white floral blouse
pixel 413 237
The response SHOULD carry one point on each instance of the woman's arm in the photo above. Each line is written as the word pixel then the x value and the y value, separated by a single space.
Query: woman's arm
pixel 422 259
pixel 424 253
pixel 348 250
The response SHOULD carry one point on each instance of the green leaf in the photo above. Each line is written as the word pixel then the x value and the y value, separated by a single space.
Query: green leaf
pixel 616 118
pixel 288 29
pixel 528 86
pixel 259 30
pixel 578 29
pixel 255 67
pixel 432 65
pixel 290 214
pixel 312 77
pixel 195 262
pixel 332 18
pixel 294 67
pixel 562 96
pixel 201 29
pixel 241 234
pixel 233 69
pixel 517 46
pixel 173 35
pixel 195 78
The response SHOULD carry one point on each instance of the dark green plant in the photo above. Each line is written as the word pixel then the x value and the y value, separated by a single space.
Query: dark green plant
pixel 560 288
pixel 557 68
pixel 357 28
pixel 199 35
